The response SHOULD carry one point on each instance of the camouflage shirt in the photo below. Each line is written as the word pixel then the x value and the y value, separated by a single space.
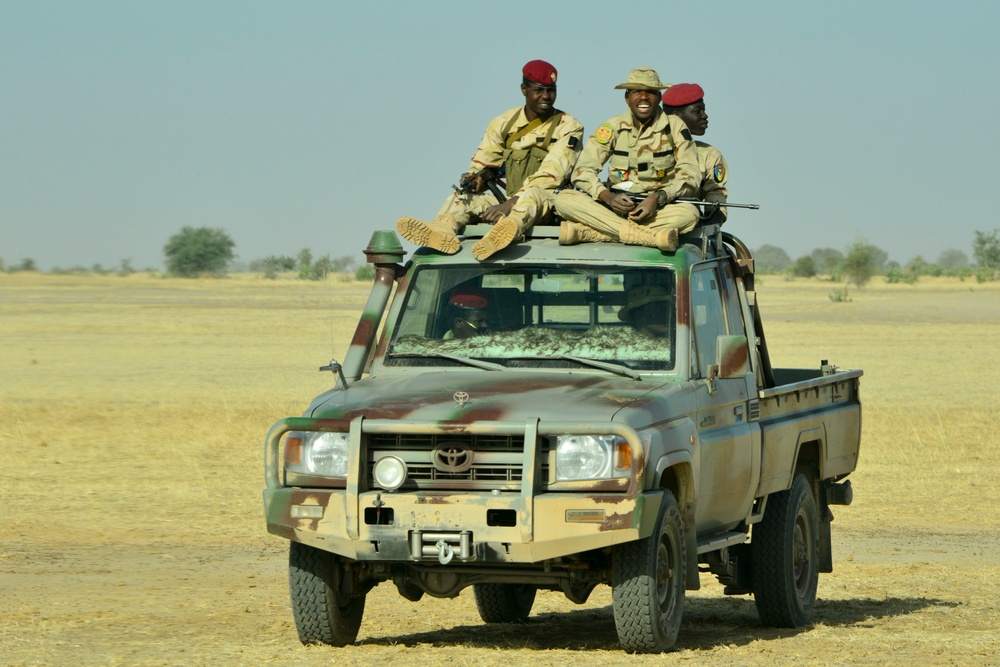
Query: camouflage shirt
pixel 714 173
pixel 660 156
pixel 554 171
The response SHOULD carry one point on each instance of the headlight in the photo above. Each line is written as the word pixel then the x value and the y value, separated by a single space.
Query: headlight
pixel 591 457
pixel 317 453
pixel 389 472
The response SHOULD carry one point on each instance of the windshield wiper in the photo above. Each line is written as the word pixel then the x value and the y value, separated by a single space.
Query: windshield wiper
pixel 617 369
pixel 468 361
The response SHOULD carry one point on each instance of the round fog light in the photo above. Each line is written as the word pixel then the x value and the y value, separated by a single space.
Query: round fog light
pixel 389 473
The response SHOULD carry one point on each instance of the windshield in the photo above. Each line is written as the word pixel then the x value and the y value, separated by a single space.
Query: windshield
pixel 537 316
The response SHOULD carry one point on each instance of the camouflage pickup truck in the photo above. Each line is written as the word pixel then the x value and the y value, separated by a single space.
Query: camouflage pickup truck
pixel 565 444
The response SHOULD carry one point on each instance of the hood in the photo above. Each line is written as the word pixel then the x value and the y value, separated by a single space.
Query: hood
pixel 491 396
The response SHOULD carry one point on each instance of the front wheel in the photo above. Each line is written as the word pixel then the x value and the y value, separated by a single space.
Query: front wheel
pixel 648 581
pixel 504 603
pixel 785 557
pixel 324 613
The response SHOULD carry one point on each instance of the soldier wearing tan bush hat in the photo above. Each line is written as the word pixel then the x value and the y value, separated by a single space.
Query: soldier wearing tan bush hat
pixel 642 78
pixel 649 154
pixel 646 309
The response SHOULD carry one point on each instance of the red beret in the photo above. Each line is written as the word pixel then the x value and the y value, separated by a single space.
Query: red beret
pixel 469 298
pixel 541 72
pixel 682 94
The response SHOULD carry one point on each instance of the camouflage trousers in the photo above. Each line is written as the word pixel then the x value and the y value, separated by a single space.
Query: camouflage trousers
pixel 580 207
pixel 534 206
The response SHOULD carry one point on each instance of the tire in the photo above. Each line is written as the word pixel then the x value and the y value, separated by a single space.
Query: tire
pixel 785 557
pixel 504 603
pixel 323 615
pixel 648 581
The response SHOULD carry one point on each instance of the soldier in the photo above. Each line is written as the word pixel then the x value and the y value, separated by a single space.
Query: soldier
pixel 648 154
pixel 687 102
pixel 467 313
pixel 537 144
pixel 645 310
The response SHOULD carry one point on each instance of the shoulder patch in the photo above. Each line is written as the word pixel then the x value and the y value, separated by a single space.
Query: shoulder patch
pixel 603 134
pixel 719 173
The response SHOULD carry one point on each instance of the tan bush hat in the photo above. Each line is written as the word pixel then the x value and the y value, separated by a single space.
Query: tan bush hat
pixel 643 78
pixel 640 296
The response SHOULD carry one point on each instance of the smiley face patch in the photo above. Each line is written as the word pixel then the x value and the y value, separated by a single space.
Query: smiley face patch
pixel 603 134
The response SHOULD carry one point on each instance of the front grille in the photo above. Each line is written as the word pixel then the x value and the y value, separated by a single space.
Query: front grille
pixel 497 460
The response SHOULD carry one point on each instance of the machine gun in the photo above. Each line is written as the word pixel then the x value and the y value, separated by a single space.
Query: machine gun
pixel 493 182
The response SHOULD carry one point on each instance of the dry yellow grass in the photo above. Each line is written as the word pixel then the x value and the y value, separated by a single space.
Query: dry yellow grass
pixel 132 414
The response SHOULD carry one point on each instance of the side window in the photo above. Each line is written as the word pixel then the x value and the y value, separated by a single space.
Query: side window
pixel 707 316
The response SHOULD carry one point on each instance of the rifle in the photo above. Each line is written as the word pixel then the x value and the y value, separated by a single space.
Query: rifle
pixel 492 182
pixel 639 197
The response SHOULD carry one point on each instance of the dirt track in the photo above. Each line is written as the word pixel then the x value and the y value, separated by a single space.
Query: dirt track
pixel 133 412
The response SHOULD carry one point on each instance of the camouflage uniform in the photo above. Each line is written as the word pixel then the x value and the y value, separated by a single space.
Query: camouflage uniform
pixel 564 146
pixel 661 156
pixel 714 175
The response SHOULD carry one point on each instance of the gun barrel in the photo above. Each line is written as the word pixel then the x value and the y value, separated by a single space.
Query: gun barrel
pixel 698 202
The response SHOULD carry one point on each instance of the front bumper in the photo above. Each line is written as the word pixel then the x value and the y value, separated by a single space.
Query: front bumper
pixel 456 526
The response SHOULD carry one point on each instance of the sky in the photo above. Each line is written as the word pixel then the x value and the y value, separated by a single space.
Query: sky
pixel 312 124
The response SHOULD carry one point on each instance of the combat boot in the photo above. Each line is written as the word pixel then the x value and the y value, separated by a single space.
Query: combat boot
pixel 635 234
pixel 438 234
pixel 502 234
pixel 571 233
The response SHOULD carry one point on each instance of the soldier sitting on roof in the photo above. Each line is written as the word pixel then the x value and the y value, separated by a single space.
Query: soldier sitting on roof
pixel 650 156
pixel 687 102
pixel 537 144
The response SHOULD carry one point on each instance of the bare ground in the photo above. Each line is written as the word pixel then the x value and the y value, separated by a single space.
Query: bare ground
pixel 132 414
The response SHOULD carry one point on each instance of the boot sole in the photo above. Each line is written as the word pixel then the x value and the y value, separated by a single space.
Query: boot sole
pixel 499 237
pixel 424 234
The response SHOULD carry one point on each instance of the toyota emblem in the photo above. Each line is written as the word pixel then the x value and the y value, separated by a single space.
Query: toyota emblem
pixel 452 457
pixel 461 397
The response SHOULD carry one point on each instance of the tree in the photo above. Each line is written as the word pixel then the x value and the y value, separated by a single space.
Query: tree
pixel 804 267
pixel 826 260
pixel 862 261
pixel 986 250
pixel 952 259
pixel 771 259
pixel 203 251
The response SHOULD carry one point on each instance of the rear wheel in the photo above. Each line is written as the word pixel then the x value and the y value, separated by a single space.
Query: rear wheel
pixel 785 557
pixel 324 613
pixel 504 603
pixel 648 580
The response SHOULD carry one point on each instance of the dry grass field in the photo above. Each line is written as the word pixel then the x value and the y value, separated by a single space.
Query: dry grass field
pixel 132 416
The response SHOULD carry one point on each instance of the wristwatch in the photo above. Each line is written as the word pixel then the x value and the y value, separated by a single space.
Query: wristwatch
pixel 661 199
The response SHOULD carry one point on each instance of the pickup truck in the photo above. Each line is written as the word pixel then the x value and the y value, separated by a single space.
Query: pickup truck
pixel 563 446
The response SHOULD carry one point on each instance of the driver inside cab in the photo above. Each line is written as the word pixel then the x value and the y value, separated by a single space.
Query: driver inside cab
pixel 646 310
pixel 467 314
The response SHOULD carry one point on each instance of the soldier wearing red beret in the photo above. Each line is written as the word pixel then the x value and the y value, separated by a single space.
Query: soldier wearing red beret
pixel 687 102
pixel 537 146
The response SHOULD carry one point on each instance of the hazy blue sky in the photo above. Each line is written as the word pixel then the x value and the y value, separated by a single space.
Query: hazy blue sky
pixel 311 124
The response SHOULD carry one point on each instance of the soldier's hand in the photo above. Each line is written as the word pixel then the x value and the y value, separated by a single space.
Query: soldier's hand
pixel 645 210
pixel 494 213
pixel 619 203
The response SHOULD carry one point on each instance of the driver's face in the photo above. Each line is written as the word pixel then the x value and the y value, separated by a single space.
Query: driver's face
pixel 473 324
pixel 650 319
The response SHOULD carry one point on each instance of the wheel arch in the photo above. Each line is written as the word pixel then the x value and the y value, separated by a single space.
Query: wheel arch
pixel 675 473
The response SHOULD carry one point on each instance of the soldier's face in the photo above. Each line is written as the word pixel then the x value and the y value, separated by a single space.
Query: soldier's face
pixel 539 100
pixel 643 103
pixel 695 117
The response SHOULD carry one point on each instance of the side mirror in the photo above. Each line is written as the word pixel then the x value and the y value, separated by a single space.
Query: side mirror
pixel 732 357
